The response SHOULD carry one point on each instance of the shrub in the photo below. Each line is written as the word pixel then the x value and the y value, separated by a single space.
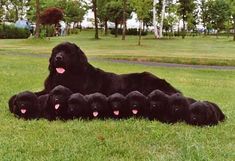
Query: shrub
pixel 12 32
pixel 132 31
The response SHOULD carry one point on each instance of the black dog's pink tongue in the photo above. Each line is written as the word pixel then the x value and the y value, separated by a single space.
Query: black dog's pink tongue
pixel 116 112
pixel 57 106
pixel 134 111
pixel 60 70
pixel 23 111
pixel 95 113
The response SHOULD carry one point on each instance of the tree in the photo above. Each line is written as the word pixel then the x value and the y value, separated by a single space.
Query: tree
pixel 94 8
pixel 114 10
pixel 102 13
pixel 232 9
pixel 185 10
pixel 51 16
pixel 219 11
pixel 124 19
pixel 142 9
pixel 37 30
pixel 171 17
pixel 155 19
pixel 204 15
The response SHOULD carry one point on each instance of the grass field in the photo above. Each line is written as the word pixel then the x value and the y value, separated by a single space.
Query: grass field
pixel 192 50
pixel 22 69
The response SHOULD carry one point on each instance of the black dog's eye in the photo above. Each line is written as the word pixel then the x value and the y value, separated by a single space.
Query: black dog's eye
pixel 194 118
pixel 176 108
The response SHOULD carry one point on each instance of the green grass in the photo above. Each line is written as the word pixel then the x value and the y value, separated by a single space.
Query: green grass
pixel 192 50
pixel 112 140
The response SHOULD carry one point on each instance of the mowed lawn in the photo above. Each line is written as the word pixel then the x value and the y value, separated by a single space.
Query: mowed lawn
pixel 115 140
pixel 192 50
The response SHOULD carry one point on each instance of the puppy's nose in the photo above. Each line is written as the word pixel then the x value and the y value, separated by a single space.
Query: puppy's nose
pixel 58 58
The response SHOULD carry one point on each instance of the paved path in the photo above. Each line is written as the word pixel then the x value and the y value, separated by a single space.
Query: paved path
pixel 141 62
pixel 171 64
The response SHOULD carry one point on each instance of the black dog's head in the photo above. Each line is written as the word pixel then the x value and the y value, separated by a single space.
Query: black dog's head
pixel 98 105
pixel 204 113
pixel 116 103
pixel 178 107
pixel 77 106
pixel 24 105
pixel 67 57
pixel 136 103
pixel 158 102
pixel 57 102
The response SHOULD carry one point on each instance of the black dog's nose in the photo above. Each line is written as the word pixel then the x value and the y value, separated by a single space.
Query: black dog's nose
pixel 58 58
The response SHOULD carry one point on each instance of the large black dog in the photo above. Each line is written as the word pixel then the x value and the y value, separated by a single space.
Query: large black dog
pixel 69 67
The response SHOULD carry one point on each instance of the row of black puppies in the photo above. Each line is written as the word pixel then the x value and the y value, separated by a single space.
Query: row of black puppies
pixel 61 103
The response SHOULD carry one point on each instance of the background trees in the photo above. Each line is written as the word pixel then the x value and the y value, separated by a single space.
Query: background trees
pixel 214 16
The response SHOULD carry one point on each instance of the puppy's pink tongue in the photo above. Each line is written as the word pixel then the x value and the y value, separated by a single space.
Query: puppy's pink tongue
pixel 134 111
pixel 57 106
pixel 116 113
pixel 23 111
pixel 60 70
pixel 95 114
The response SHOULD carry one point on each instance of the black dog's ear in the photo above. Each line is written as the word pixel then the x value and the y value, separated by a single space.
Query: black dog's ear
pixel 51 64
pixel 12 103
pixel 82 59
pixel 211 115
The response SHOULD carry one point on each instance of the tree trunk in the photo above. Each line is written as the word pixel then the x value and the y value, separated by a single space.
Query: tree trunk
pixel 162 18
pixel 140 32
pixel 17 13
pixel 37 30
pixel 80 25
pixel 96 22
pixel 155 20
pixel 183 31
pixel 105 27
pixel 124 20
pixel 234 28
pixel 116 29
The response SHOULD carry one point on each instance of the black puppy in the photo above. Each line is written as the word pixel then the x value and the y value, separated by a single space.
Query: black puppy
pixel 24 105
pixel 137 104
pixel 204 113
pixel 158 106
pixel 178 108
pixel 77 106
pixel 117 103
pixel 98 106
pixel 56 105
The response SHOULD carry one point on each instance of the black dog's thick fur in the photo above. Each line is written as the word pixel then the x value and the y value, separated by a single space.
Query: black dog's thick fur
pixel 178 108
pixel 98 106
pixel 158 105
pixel 80 76
pixel 204 113
pixel 77 106
pixel 25 105
pixel 54 105
pixel 137 104
pixel 117 103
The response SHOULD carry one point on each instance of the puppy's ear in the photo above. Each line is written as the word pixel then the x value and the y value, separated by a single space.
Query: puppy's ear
pixel 12 103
